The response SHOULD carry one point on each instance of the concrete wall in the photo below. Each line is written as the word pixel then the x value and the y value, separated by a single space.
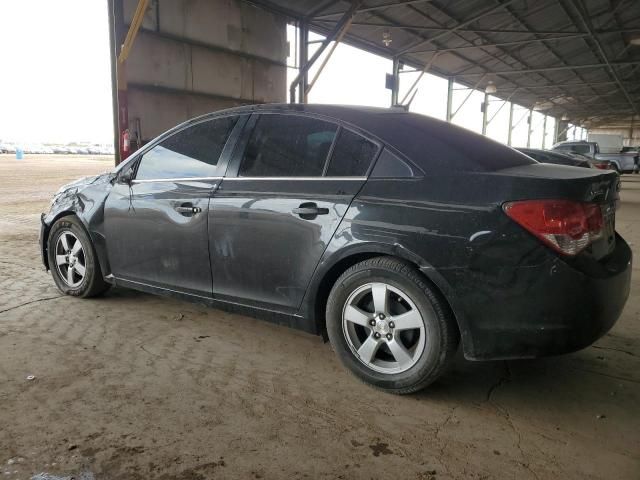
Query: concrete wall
pixel 197 56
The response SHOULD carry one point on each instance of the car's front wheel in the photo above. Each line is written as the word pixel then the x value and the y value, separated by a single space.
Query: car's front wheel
pixel 72 260
pixel 389 326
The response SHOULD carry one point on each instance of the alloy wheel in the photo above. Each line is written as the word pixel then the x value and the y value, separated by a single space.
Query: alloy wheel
pixel 383 328
pixel 70 259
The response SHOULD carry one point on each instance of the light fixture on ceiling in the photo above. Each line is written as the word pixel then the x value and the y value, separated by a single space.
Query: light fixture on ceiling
pixel 490 88
pixel 565 117
pixel 635 40
pixel 386 38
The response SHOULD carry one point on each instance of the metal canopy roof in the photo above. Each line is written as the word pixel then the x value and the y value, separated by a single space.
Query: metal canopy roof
pixel 573 57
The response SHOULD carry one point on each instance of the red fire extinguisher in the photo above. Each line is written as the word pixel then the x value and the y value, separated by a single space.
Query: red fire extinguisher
pixel 126 144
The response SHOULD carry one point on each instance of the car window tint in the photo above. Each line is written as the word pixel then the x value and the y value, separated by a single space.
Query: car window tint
pixel 287 146
pixel 580 148
pixel 192 152
pixel 390 165
pixel 351 156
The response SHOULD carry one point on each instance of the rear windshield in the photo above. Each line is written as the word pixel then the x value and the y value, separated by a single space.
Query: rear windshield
pixel 435 145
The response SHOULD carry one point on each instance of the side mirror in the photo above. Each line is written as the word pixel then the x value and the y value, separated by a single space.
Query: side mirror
pixel 126 177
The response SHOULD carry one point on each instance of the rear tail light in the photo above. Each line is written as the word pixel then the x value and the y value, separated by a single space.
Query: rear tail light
pixel 602 165
pixel 567 227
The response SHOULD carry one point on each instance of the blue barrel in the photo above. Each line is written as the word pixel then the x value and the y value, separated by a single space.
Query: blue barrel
pixel 19 154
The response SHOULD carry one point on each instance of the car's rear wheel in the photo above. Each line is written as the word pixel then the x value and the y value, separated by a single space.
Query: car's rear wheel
pixel 72 260
pixel 389 326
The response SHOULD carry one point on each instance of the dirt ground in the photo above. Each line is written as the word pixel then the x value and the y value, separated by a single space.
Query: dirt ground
pixel 132 386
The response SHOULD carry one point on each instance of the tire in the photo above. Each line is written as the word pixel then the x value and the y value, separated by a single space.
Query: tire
pixel 86 278
pixel 428 347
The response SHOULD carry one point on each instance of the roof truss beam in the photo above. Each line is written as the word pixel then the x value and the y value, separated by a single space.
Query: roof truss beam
pixel 583 16
pixel 423 28
pixel 372 9
pixel 550 69
pixel 465 23
pixel 505 44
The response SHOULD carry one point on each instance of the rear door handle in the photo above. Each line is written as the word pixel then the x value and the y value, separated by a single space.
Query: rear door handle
pixel 310 210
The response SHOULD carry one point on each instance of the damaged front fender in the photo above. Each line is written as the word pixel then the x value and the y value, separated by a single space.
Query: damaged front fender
pixel 83 198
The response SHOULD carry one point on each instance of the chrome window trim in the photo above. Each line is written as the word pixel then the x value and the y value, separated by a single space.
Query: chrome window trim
pixel 296 178
pixel 182 179
pixel 199 179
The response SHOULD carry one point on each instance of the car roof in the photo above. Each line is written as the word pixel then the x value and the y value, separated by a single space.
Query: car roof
pixel 426 141
pixel 357 115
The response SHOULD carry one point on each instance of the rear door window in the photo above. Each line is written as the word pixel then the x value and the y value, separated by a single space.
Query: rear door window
pixel 352 155
pixel 190 153
pixel 287 146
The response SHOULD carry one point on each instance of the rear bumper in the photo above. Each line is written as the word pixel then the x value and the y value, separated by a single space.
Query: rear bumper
pixel 549 309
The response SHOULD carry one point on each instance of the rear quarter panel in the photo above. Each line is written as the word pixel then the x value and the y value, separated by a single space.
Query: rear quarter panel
pixel 456 244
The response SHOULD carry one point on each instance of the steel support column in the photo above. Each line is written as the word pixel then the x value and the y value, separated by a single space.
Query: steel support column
pixel 544 132
pixel 395 88
pixel 123 49
pixel 510 124
pixel 485 111
pixel 417 80
pixel 337 41
pixel 530 127
pixel 303 57
pixel 337 32
pixel 471 90
pixel 501 106
pixel 449 99
pixel 115 40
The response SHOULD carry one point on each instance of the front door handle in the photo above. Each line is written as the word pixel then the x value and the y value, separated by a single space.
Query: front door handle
pixel 184 209
pixel 310 210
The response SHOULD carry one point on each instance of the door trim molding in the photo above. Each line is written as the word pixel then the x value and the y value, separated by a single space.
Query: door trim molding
pixel 182 179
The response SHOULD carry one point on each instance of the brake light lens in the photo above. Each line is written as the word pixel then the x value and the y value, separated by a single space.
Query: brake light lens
pixel 566 226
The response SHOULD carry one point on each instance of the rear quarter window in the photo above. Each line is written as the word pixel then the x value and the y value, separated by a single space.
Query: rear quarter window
pixel 389 165
pixel 437 146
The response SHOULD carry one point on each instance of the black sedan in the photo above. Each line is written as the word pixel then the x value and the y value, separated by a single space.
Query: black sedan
pixel 394 235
